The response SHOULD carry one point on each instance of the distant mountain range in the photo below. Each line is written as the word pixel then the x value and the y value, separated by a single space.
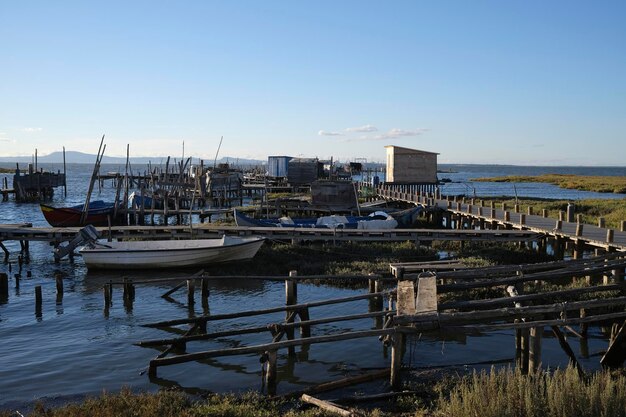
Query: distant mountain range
pixel 73 157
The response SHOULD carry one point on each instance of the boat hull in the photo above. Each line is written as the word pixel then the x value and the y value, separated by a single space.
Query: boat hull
pixel 70 216
pixel 160 254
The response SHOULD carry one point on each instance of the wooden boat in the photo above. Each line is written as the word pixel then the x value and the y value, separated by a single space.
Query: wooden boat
pixel 376 220
pixel 97 214
pixel 137 201
pixel 169 253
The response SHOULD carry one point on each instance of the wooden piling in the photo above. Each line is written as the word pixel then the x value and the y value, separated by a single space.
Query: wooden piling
pixel 204 289
pixel 271 373
pixel 397 347
pixel 106 292
pixel 38 300
pixel 291 298
pixel 59 284
pixel 4 286
pixel 191 288
pixel 534 348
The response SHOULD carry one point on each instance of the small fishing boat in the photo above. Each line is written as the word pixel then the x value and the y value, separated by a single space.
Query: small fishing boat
pixel 376 220
pixel 169 253
pixel 98 214
pixel 137 201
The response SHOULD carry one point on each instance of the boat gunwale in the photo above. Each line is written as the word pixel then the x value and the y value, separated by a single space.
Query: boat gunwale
pixel 144 250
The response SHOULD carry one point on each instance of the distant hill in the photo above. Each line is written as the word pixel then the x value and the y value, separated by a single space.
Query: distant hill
pixel 73 157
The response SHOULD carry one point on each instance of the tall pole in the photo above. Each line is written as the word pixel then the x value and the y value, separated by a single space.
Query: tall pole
pixel 64 174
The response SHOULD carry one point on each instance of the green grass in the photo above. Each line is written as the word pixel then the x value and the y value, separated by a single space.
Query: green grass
pixel 6 170
pixel 600 184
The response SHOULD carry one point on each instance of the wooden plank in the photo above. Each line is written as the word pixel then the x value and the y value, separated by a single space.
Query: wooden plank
pixel 426 295
pixel 406 298
pixel 326 406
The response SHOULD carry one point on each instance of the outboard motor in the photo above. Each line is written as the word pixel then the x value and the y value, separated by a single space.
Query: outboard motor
pixel 87 234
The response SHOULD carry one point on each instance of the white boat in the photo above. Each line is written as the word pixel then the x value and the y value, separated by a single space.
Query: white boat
pixel 169 253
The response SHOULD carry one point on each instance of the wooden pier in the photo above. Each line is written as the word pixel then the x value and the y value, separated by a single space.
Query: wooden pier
pixel 435 302
pixel 58 235
pixel 460 213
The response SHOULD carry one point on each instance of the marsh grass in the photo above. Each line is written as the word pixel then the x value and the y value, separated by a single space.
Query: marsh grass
pixel 600 184
pixel 506 392
pixel 315 258
pixel 501 392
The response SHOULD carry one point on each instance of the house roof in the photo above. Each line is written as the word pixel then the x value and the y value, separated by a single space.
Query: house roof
pixel 411 150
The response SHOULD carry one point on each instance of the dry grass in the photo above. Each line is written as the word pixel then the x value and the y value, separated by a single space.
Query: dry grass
pixel 562 393
pixel 498 393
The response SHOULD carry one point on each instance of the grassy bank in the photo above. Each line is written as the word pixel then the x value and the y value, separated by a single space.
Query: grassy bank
pixel 6 170
pixel 498 393
pixel 600 184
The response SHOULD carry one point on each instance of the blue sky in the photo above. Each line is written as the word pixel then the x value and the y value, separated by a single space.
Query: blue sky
pixel 509 82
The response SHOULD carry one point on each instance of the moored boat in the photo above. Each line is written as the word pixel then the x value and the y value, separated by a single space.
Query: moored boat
pixel 169 253
pixel 376 220
pixel 98 214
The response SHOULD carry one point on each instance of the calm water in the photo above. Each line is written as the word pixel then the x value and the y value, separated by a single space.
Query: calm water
pixel 76 348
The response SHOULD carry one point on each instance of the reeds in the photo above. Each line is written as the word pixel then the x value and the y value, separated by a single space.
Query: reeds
pixel 507 392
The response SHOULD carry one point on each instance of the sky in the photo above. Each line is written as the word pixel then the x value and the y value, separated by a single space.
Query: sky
pixel 495 82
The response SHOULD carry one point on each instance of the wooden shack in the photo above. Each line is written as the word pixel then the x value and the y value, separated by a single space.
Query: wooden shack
pixel 304 170
pixel 410 166
pixel 333 194
pixel 36 185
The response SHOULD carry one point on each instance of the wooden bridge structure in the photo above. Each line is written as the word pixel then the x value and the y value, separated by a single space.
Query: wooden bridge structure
pixel 25 233
pixel 463 214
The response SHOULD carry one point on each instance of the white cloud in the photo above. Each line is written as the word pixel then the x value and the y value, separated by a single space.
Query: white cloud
pixel 366 128
pixel 325 133
pixel 394 133
pixel 31 129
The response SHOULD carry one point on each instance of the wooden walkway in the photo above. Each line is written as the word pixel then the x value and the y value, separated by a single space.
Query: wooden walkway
pixel 601 237
pixel 207 231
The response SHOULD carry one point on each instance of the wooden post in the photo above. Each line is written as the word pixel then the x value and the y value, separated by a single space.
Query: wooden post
pixel 38 300
pixel 522 219
pixel 622 226
pixel 305 331
pixel 291 298
pixel 291 289
pixel 204 289
pixel 524 344
pixel 191 288
pixel 396 359
pixel 530 210
pixel 610 234
pixel 59 284
pixel 4 286
pixel 106 291
pixel 534 348
pixel 579 229
pixel 583 326
pixel 271 372
pixel 601 222
pixel 544 213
